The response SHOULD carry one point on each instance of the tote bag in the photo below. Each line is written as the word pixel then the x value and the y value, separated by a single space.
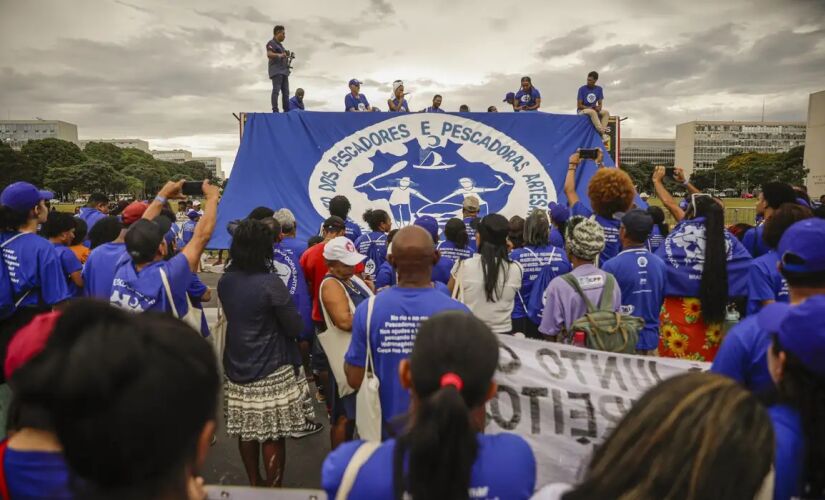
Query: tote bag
pixel 368 417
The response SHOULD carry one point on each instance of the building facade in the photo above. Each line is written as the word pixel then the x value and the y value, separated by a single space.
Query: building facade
pixel 700 144
pixel 814 159
pixel 16 133
pixel 213 164
pixel 121 143
pixel 173 155
pixel 655 151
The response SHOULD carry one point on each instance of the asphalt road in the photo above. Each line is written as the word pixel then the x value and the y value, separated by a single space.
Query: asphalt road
pixel 303 456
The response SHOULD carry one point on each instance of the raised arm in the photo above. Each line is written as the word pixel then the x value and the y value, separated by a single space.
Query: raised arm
pixel 681 178
pixel 169 191
pixel 664 194
pixel 570 180
pixel 205 227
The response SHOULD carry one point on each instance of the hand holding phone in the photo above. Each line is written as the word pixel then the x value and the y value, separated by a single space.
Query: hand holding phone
pixel 192 188
pixel 588 154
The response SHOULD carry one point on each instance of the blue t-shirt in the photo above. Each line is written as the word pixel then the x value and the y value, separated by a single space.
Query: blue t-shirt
pixel 765 282
pixel 293 246
pixel 471 233
pixel 144 291
pixel 743 355
pixel 352 230
pixel 34 267
pixel 451 251
pixel 790 451
pixel 654 241
pixel 533 260
pixel 195 291
pixel 36 474
pixel 431 109
pixel 188 231
pixel 504 468
pixel 405 108
pixel 556 238
pixel 374 246
pixel 295 104
pixel 440 274
pixel 441 270
pixel 527 98
pixel 90 216
pixel 99 271
pixel 590 97
pixel 70 264
pixel 360 103
pixel 641 278
pixel 612 245
pixel 683 254
pixel 752 239
pixel 397 313
pixel 385 276
pixel 288 268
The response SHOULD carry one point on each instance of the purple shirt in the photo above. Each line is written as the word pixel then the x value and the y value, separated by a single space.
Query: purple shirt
pixel 564 305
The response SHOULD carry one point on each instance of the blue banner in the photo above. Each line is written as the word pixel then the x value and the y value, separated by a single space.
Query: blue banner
pixel 409 164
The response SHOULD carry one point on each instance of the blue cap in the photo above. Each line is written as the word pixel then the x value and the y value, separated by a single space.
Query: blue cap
pixel 801 330
pixel 429 223
pixel 638 222
pixel 558 213
pixel 22 196
pixel 802 247
pixel 193 214
pixel 354 81
pixel 508 96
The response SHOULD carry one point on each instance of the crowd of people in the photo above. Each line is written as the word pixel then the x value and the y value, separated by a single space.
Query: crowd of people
pixel 395 331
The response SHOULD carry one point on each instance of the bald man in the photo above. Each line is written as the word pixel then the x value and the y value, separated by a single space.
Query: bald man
pixel 396 315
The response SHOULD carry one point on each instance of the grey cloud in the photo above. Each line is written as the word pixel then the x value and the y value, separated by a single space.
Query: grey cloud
pixel 382 7
pixel 346 47
pixel 570 43
pixel 135 7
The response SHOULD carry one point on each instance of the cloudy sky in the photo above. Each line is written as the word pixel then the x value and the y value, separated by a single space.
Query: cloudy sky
pixel 174 72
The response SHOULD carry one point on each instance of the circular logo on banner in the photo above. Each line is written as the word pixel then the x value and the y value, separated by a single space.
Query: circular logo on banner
pixel 591 98
pixel 416 164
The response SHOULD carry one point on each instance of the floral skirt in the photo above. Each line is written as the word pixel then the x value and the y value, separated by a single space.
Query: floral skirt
pixel 683 332
pixel 272 408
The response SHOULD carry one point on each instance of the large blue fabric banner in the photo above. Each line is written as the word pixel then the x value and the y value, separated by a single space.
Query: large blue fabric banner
pixel 408 164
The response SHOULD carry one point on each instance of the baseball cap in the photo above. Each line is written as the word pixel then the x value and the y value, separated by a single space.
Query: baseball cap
pixel 429 223
pixel 342 250
pixel 354 82
pixel 558 212
pixel 133 212
pixel 29 341
pixel 801 330
pixel 144 237
pixel 638 222
pixel 196 203
pixel 508 96
pixel 334 223
pixel 22 196
pixel 193 214
pixel 802 247
pixel 470 204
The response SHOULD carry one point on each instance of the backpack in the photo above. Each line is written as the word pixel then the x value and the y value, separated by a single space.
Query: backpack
pixel 537 298
pixel 374 256
pixel 604 329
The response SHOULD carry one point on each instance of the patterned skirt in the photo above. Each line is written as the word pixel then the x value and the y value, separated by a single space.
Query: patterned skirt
pixel 683 332
pixel 272 408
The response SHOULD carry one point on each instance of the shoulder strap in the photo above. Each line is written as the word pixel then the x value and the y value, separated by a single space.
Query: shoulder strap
pixel 606 301
pixel 4 487
pixel 327 319
pixel 368 366
pixel 168 292
pixel 572 281
pixel 3 245
pixel 362 454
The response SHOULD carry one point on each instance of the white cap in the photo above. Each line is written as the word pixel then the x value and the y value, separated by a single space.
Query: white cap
pixel 196 203
pixel 342 250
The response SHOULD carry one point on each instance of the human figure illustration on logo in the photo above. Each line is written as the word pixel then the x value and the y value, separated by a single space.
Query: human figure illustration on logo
pixel 400 197
pixel 468 187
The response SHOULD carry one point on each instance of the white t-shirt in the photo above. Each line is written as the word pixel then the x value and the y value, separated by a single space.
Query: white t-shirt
pixel 496 314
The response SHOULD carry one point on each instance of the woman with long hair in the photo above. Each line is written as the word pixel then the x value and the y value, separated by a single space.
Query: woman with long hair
pixel 795 363
pixel 266 396
pixel 660 228
pixel 374 244
pixel 456 244
pixel 443 451
pixel 132 400
pixel 693 436
pixel 488 282
pixel 706 268
pixel 534 256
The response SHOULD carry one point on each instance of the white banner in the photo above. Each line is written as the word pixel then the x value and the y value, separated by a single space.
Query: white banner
pixel 564 400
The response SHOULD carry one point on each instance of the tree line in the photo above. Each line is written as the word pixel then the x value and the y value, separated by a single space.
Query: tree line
pixel 62 167
pixel 741 172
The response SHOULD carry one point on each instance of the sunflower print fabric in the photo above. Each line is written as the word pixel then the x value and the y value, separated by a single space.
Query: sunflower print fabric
pixel 683 332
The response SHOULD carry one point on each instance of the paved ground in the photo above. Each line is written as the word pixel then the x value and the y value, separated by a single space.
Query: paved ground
pixel 303 456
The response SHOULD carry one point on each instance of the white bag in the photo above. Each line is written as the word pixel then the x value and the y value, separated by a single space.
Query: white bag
pixel 218 335
pixel 458 287
pixel 368 417
pixel 193 315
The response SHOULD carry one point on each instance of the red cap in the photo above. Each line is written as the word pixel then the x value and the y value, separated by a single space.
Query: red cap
pixel 29 341
pixel 133 212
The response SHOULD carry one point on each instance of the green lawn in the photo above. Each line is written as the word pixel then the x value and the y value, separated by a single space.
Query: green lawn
pixel 736 210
